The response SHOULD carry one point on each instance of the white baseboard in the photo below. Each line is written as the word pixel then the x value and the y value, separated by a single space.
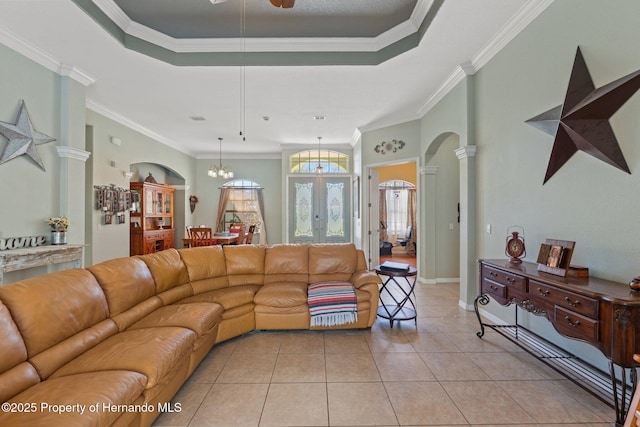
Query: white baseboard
pixel 438 280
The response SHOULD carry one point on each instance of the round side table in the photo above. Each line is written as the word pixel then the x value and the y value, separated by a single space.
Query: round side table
pixel 397 301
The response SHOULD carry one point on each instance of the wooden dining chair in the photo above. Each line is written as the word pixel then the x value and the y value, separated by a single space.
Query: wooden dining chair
pixel 238 228
pixel 202 236
pixel 252 229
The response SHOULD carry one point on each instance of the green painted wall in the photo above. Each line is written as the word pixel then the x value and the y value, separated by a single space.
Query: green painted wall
pixel 112 241
pixel 266 172
pixel 31 195
pixel 587 201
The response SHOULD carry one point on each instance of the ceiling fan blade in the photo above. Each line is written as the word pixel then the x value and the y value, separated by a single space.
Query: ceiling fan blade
pixel 286 4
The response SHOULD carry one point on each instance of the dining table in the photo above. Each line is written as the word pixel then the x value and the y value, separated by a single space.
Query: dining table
pixel 220 238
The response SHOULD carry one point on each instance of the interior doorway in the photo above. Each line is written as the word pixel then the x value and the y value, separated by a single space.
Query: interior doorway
pixel 393 213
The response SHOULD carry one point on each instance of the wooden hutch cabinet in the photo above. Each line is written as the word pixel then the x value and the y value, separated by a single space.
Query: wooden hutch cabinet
pixel 152 226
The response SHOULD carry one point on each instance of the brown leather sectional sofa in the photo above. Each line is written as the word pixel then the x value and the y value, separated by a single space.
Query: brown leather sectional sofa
pixel 110 345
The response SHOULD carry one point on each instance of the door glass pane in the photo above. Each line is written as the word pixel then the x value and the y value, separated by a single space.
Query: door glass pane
pixel 303 209
pixel 335 209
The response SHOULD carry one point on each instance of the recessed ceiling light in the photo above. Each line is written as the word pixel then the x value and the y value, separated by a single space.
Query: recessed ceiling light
pixel 319 117
pixel 217 1
pixel 265 118
pixel 197 118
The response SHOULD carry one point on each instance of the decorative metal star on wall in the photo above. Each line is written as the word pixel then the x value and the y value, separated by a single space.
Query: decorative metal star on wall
pixel 23 138
pixel 582 122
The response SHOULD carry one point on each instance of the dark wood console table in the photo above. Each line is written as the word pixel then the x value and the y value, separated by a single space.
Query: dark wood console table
pixel 602 313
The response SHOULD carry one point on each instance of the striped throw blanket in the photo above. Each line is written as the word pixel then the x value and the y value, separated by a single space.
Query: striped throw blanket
pixel 332 303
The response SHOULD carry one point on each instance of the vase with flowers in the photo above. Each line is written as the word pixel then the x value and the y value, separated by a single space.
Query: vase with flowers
pixel 59 226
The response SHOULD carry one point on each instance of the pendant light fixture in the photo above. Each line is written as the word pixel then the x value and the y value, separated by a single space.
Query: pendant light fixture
pixel 220 171
pixel 243 71
pixel 319 169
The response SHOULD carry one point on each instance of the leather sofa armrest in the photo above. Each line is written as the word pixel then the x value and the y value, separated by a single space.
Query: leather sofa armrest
pixel 364 277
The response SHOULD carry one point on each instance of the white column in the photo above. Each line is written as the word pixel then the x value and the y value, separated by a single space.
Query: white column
pixel 468 282
pixel 427 228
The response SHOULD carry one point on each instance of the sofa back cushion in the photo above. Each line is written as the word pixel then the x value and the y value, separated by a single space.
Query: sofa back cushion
pixel 16 374
pixel 206 268
pixel 51 308
pixel 286 263
pixel 125 281
pixel 245 264
pixel 167 269
pixel 332 262
pixel 169 274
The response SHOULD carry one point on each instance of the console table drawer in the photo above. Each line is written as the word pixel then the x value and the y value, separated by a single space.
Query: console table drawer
pixel 575 325
pixel 569 300
pixel 494 288
pixel 507 279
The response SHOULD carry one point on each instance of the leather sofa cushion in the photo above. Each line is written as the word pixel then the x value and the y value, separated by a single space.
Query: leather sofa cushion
pixel 12 350
pixel 228 298
pixel 17 379
pixel 167 269
pixel 287 259
pixel 15 373
pixel 361 278
pixel 48 309
pixel 245 264
pixel 207 268
pixel 237 312
pixel 51 359
pixel 153 352
pixel 125 281
pixel 204 262
pixel 108 387
pixel 201 317
pixel 332 262
pixel 282 295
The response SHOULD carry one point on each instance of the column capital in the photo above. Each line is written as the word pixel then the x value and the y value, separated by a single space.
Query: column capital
pixel 429 170
pixel 64 151
pixel 466 151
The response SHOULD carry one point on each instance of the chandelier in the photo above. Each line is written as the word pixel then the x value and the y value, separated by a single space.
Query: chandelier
pixel 319 169
pixel 220 171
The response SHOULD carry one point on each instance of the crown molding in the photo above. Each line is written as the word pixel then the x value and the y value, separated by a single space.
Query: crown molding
pixel 39 56
pixel 508 32
pixel 101 109
pixel 76 74
pixel 356 137
pixel 64 151
pixel 450 82
pixel 276 44
pixel 240 156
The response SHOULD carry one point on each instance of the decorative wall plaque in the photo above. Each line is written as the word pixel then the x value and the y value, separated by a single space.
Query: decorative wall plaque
pixel 112 200
pixel 389 147
pixel 582 122
pixel 23 138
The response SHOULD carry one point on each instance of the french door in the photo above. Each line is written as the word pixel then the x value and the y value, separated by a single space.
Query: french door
pixel 319 209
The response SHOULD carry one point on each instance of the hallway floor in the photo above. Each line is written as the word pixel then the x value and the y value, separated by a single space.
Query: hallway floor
pixel 434 373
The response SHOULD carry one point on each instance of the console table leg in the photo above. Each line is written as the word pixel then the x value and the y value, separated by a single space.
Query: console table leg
pixel 484 300
pixel 620 399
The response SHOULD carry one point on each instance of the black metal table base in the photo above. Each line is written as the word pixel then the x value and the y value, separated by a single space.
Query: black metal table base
pixel 617 393
pixel 403 307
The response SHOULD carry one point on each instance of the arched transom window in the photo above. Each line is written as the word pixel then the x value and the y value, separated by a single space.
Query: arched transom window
pixel 307 161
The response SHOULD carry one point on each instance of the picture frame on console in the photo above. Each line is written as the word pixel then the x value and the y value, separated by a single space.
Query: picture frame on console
pixel 554 256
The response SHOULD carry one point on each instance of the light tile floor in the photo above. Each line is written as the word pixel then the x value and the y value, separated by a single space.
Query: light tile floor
pixel 434 373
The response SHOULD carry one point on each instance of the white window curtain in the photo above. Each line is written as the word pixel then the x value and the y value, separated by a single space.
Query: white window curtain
pixel 397 217
pixel 248 202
